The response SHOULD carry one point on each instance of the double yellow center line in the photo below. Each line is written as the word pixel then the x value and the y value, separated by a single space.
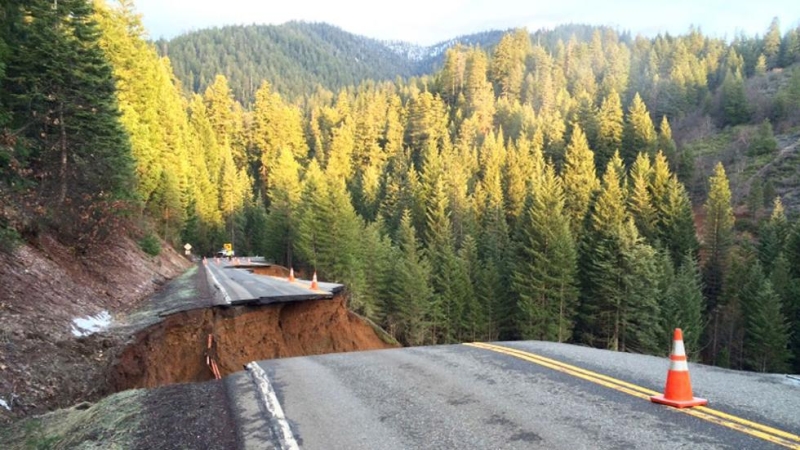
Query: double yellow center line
pixel 758 430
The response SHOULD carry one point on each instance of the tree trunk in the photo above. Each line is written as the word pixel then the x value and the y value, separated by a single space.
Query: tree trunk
pixel 62 171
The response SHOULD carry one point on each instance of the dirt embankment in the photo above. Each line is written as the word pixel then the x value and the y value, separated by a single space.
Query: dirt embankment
pixel 175 350
pixel 43 287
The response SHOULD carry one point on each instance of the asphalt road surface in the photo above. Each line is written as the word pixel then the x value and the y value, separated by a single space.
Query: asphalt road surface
pixel 238 285
pixel 520 395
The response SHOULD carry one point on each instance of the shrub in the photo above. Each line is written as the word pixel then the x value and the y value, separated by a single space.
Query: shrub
pixel 9 238
pixel 150 245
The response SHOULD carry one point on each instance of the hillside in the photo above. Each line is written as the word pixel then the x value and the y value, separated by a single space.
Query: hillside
pixel 52 299
pixel 296 57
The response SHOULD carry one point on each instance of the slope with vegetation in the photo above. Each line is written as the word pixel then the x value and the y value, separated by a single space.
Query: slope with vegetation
pixel 298 57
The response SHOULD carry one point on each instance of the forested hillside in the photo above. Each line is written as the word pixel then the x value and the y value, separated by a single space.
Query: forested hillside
pixel 296 57
pixel 535 190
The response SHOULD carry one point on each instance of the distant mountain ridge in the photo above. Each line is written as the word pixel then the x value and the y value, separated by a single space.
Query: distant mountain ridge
pixel 296 57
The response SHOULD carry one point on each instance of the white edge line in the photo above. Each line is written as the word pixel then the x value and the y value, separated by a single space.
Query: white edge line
pixel 219 286
pixel 273 406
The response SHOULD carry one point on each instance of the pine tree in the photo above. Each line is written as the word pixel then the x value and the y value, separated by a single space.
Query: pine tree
pixel 675 224
pixel 441 254
pixel 610 129
pixel 284 198
pixel 580 181
pixel 61 92
pixel 640 134
pixel 667 145
pixel 640 203
pixel 477 315
pixel 767 333
pixel 773 236
pixel 545 272
pixel 734 105
pixel 717 243
pixel 686 305
pixel 312 226
pixel 508 64
pixel 764 142
pixel 772 43
pixel 718 234
pixel 409 290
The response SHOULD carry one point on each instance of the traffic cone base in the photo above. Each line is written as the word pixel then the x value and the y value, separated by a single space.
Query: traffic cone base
pixel 695 401
pixel 678 390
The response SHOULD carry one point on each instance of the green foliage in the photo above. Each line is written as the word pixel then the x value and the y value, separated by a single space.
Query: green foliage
pixel 640 134
pixel 763 142
pixel 767 332
pixel 546 267
pixel 718 233
pixel 685 305
pixel 9 238
pixel 735 107
pixel 150 244
pixel 332 58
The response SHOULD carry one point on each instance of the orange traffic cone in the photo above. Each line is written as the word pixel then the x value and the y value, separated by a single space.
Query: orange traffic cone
pixel 678 391
pixel 291 275
pixel 314 284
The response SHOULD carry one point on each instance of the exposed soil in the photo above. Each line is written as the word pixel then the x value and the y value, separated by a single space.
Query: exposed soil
pixel 42 289
pixel 175 350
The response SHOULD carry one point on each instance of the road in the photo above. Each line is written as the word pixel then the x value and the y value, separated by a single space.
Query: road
pixel 237 285
pixel 506 396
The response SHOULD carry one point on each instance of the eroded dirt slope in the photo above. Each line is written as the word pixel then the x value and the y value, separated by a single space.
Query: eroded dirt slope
pixel 175 350
pixel 42 289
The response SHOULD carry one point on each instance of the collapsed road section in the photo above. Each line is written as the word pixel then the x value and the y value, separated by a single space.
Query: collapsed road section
pixel 240 313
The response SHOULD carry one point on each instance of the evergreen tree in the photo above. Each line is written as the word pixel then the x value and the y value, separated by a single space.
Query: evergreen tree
pixel 284 198
pixel 718 234
pixel 686 305
pixel 734 105
pixel 610 129
pixel 772 43
pixel 445 305
pixel 640 134
pixel 580 180
pixel 619 308
pixel 545 273
pixel 640 203
pixel 764 142
pixel 718 237
pixel 767 333
pixel 667 145
pixel 675 225
pixel 773 237
pixel 61 91
pixel 409 291
pixel 508 63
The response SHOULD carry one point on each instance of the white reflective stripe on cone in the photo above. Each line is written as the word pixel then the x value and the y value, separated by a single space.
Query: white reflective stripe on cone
pixel 679 366
pixel 678 349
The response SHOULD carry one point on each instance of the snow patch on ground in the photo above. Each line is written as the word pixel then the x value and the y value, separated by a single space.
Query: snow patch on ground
pixel 4 404
pixel 793 380
pixel 84 326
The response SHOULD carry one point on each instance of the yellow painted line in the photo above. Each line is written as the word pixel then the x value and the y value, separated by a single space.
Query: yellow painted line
pixel 758 430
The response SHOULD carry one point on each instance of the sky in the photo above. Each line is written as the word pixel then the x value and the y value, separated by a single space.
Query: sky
pixel 427 22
